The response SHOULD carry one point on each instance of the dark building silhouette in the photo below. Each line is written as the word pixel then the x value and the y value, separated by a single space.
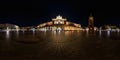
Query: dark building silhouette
pixel 91 22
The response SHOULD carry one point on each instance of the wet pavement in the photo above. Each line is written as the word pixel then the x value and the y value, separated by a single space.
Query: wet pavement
pixel 64 45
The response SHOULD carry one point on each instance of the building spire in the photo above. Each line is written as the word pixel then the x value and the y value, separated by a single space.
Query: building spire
pixel 59 17
pixel 91 22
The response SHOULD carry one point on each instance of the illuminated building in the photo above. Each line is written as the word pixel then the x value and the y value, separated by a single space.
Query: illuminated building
pixel 8 26
pixel 59 23
pixel 109 27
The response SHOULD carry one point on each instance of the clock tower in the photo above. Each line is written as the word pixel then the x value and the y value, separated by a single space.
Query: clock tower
pixel 91 22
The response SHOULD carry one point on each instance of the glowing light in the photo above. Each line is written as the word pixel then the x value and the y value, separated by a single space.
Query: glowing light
pixel 41 25
pixel 33 30
pixel 100 32
pixel 67 23
pixel 58 18
pixel 43 29
pixel 17 33
pixel 108 33
pixel 118 30
pixel 77 25
pixel 91 18
pixel 87 29
pixel 95 28
pixel 59 29
pixel 16 27
pixel 7 33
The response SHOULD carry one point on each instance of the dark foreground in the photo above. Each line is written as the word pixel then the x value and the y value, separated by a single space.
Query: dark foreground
pixel 67 45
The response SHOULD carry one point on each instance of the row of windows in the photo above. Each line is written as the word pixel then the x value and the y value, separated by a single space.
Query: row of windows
pixel 59 22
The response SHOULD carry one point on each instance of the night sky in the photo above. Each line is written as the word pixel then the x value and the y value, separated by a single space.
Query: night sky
pixel 32 13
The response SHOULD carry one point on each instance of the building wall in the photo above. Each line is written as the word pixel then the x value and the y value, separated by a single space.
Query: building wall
pixel 59 23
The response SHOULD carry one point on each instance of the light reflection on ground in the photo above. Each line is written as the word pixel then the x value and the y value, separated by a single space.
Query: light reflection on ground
pixel 62 45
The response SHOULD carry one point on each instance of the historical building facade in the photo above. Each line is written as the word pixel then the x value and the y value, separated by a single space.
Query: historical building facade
pixel 59 23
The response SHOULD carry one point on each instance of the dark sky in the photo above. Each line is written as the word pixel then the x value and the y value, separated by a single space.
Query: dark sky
pixel 29 13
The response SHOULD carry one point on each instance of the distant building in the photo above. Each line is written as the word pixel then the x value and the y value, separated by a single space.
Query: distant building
pixel 91 22
pixel 59 23
pixel 27 28
pixel 110 27
pixel 10 26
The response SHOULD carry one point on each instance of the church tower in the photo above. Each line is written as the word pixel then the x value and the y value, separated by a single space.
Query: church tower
pixel 91 22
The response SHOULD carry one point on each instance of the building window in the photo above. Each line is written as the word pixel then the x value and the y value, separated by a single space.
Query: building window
pixel 58 22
